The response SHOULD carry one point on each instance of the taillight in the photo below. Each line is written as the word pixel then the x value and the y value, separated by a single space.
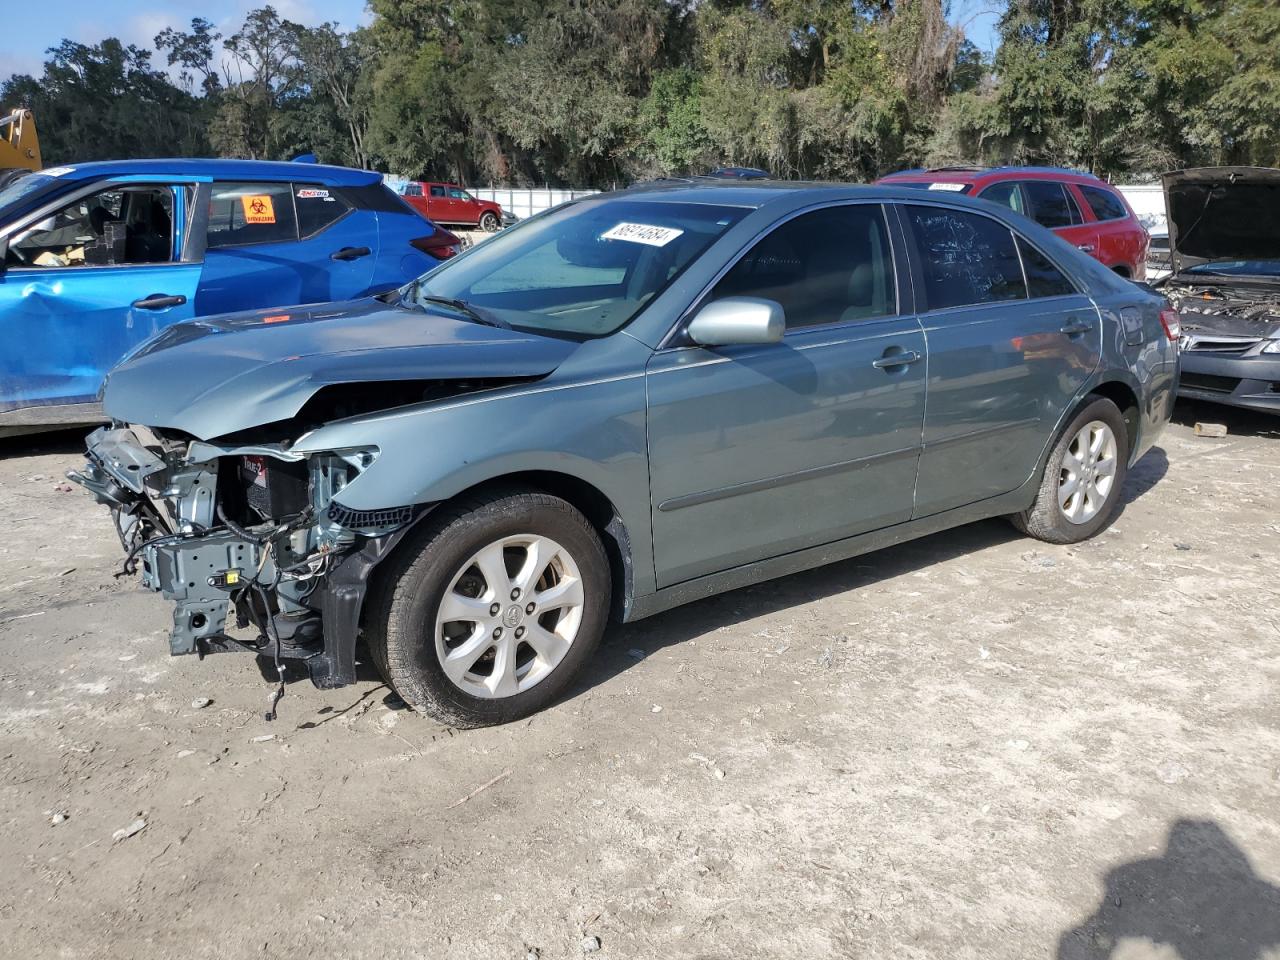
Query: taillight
pixel 442 244
pixel 1172 323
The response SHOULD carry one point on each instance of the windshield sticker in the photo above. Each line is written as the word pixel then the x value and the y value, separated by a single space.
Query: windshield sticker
pixel 642 233
pixel 312 194
pixel 58 171
pixel 946 186
pixel 258 209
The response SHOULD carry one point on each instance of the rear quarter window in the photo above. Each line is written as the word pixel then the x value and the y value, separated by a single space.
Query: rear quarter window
pixel 1104 204
pixel 1043 278
pixel 317 207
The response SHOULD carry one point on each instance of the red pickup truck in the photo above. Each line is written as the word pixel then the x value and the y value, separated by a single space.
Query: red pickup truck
pixel 448 203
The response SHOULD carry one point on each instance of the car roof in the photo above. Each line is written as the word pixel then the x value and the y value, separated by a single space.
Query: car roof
pixel 965 174
pixel 755 193
pixel 223 170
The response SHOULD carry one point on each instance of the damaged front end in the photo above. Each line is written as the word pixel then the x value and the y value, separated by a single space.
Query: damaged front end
pixel 253 535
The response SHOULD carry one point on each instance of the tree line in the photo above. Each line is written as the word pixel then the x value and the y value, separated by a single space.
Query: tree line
pixel 599 92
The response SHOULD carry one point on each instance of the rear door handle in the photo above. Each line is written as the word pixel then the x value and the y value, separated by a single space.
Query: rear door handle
pixel 159 301
pixel 1085 247
pixel 1077 327
pixel 350 253
pixel 900 359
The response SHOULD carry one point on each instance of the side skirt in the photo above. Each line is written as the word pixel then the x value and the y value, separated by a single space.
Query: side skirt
pixel 811 557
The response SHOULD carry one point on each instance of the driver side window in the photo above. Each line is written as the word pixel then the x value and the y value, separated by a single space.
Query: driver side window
pixel 833 265
pixel 114 227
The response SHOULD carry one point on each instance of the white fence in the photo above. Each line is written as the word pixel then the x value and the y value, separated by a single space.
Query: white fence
pixel 526 202
pixel 1147 200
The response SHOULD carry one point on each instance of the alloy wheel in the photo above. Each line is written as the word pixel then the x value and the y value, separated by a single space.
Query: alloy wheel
pixel 509 616
pixel 1088 472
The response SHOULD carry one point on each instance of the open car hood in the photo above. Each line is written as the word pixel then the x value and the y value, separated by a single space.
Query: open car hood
pixel 1222 213
pixel 219 375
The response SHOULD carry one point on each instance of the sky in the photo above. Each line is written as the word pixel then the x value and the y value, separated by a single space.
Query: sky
pixel 30 27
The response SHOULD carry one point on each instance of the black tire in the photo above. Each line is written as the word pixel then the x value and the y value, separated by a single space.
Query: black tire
pixel 489 222
pixel 401 626
pixel 1045 519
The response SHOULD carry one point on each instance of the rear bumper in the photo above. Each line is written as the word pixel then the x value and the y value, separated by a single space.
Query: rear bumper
pixel 1251 382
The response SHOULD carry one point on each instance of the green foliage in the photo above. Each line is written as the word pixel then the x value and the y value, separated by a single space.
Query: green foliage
pixel 595 92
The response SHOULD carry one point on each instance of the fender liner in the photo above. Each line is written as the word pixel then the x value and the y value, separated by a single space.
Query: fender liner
pixel 342 602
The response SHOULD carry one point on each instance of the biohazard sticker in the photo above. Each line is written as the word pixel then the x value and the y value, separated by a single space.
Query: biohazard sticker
pixel 258 209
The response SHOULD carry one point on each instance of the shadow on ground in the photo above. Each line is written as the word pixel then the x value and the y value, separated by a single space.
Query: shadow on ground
pixel 40 444
pixel 1201 897
pixel 1239 422
pixel 692 620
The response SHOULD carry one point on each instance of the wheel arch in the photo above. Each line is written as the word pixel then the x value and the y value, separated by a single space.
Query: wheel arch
pixel 601 513
pixel 590 501
pixel 1126 398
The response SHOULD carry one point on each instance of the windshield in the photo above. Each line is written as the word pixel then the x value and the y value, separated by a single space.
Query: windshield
pixel 1237 268
pixel 582 270
pixel 25 187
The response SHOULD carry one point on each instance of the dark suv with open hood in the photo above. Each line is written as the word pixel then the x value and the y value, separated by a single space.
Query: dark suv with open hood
pixel 1224 241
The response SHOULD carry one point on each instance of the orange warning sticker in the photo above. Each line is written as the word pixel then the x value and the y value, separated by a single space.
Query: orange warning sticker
pixel 258 209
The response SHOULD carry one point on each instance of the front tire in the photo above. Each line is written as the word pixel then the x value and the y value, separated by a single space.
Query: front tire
pixel 1080 490
pixel 489 223
pixel 489 613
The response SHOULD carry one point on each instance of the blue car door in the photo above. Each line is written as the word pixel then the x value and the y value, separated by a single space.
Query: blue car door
pixel 85 280
pixel 282 244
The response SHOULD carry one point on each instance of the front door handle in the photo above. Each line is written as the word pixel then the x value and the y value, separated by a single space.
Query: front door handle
pixel 350 253
pixel 1085 247
pixel 1076 328
pixel 159 301
pixel 900 359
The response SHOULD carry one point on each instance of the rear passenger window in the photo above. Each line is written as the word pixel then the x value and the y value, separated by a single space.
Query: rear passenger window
pixel 1105 204
pixel 241 213
pixel 827 266
pixel 1043 278
pixel 1050 206
pixel 318 206
pixel 967 258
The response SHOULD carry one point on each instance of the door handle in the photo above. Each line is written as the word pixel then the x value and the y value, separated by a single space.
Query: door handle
pixel 1085 247
pixel 350 253
pixel 1077 327
pixel 159 301
pixel 900 359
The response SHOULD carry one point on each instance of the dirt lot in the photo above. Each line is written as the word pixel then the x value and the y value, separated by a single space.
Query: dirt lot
pixel 973 746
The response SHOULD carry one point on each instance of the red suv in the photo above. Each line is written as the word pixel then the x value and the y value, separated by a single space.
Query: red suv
pixel 1079 207
pixel 449 203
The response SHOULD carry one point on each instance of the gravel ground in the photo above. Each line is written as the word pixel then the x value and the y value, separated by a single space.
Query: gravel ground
pixel 971 746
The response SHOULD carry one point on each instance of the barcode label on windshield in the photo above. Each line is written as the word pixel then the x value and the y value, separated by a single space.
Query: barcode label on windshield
pixel 642 233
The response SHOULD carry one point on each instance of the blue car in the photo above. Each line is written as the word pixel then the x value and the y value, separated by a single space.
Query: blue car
pixel 97 257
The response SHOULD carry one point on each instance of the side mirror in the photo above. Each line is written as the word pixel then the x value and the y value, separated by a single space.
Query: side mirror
pixel 738 320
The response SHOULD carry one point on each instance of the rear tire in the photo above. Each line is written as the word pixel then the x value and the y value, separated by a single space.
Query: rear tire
pixel 1080 489
pixel 491 610
pixel 489 223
